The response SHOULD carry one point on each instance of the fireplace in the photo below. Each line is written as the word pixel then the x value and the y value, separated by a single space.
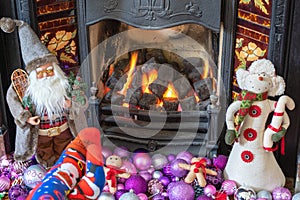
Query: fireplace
pixel 155 70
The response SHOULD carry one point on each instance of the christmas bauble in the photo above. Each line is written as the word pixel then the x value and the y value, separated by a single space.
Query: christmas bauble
pixel 229 187
pixel 244 193
pixel 16 191
pixel 106 196
pixel 264 194
pixel 181 190
pixel 128 166
pixel 106 152
pixel 296 196
pixel 4 183
pixel 220 161
pixel 33 175
pixel 176 170
pixel 137 183
pixel 122 151
pixel 142 161
pixel 155 186
pixel 129 196
pixel 159 161
pixel 281 193
pixel 185 155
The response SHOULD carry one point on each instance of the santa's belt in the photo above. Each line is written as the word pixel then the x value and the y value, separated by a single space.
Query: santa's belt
pixel 54 131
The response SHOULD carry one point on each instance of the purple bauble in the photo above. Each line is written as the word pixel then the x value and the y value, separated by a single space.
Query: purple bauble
pixel 185 155
pixel 164 180
pixel 142 161
pixel 181 190
pixel 119 193
pixel 167 170
pixel 120 186
pixel 171 157
pixel 220 162
pixel 176 170
pixel 281 193
pixel 158 197
pixel 16 191
pixel 122 151
pixel 155 186
pixel 204 197
pixel 209 190
pixel 137 183
pixel 229 187
pixel 106 152
pixel 146 175
pixel 159 161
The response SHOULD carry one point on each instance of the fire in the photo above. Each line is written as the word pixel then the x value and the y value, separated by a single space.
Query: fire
pixel 133 61
pixel 147 79
pixel 170 92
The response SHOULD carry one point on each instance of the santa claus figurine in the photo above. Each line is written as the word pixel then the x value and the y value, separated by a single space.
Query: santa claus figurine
pixel 45 125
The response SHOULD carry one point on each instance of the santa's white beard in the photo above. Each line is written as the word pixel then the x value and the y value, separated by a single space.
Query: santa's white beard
pixel 48 94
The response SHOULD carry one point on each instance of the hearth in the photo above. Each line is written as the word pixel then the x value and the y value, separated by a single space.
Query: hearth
pixel 156 68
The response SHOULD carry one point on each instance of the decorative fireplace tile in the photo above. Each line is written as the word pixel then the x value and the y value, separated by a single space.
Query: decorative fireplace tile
pixel 252 34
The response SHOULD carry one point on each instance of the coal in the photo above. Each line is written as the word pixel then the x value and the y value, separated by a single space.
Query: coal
pixel 157 54
pixel 170 104
pixel 189 103
pixel 158 87
pixel 183 87
pixel 147 100
pixel 203 88
pixel 166 72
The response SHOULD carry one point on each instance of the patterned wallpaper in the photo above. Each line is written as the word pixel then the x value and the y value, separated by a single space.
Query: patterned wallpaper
pixel 252 35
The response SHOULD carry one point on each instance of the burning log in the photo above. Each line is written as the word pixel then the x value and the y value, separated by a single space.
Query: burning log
pixel 147 100
pixel 203 88
pixel 170 104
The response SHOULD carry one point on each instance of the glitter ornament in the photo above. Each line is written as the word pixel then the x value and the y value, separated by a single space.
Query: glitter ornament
pixel 229 187
pixel 198 190
pixel 176 170
pixel 34 175
pixel 264 194
pixel 167 170
pixel 159 161
pixel 16 191
pixel 158 197
pixel 137 183
pixel 244 193
pixel 142 161
pixel 4 183
pixel 155 186
pixel 281 193
pixel 181 190
pixel 106 196
pixel 185 155
pixel 129 196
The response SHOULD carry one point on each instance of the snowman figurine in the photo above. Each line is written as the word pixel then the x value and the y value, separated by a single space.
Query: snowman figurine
pixel 251 162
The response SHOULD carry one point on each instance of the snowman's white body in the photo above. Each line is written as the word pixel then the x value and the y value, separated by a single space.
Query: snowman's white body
pixel 249 164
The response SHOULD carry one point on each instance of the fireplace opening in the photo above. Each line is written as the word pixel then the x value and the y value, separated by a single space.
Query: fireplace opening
pixel 158 89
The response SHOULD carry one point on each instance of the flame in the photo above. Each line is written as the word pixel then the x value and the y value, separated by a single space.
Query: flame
pixel 171 92
pixel 147 79
pixel 206 70
pixel 133 61
pixel 196 97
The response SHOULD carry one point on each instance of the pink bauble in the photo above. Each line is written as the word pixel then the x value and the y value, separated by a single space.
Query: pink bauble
pixel 229 187
pixel 204 197
pixel 142 161
pixel 119 193
pixel 151 169
pixel 128 166
pixel 106 152
pixel 208 161
pixel 185 155
pixel 33 175
pixel 158 197
pixel 176 170
pixel 181 190
pixel 106 188
pixel 120 186
pixel 142 196
pixel 159 161
pixel 4 183
pixel 137 183
pixel 146 175
pixel 171 157
pixel 155 186
pixel 210 190
pixel 122 151
pixel 167 170
pixel 281 193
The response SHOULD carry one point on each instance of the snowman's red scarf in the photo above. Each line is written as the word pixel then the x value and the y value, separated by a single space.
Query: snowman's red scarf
pixel 247 99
